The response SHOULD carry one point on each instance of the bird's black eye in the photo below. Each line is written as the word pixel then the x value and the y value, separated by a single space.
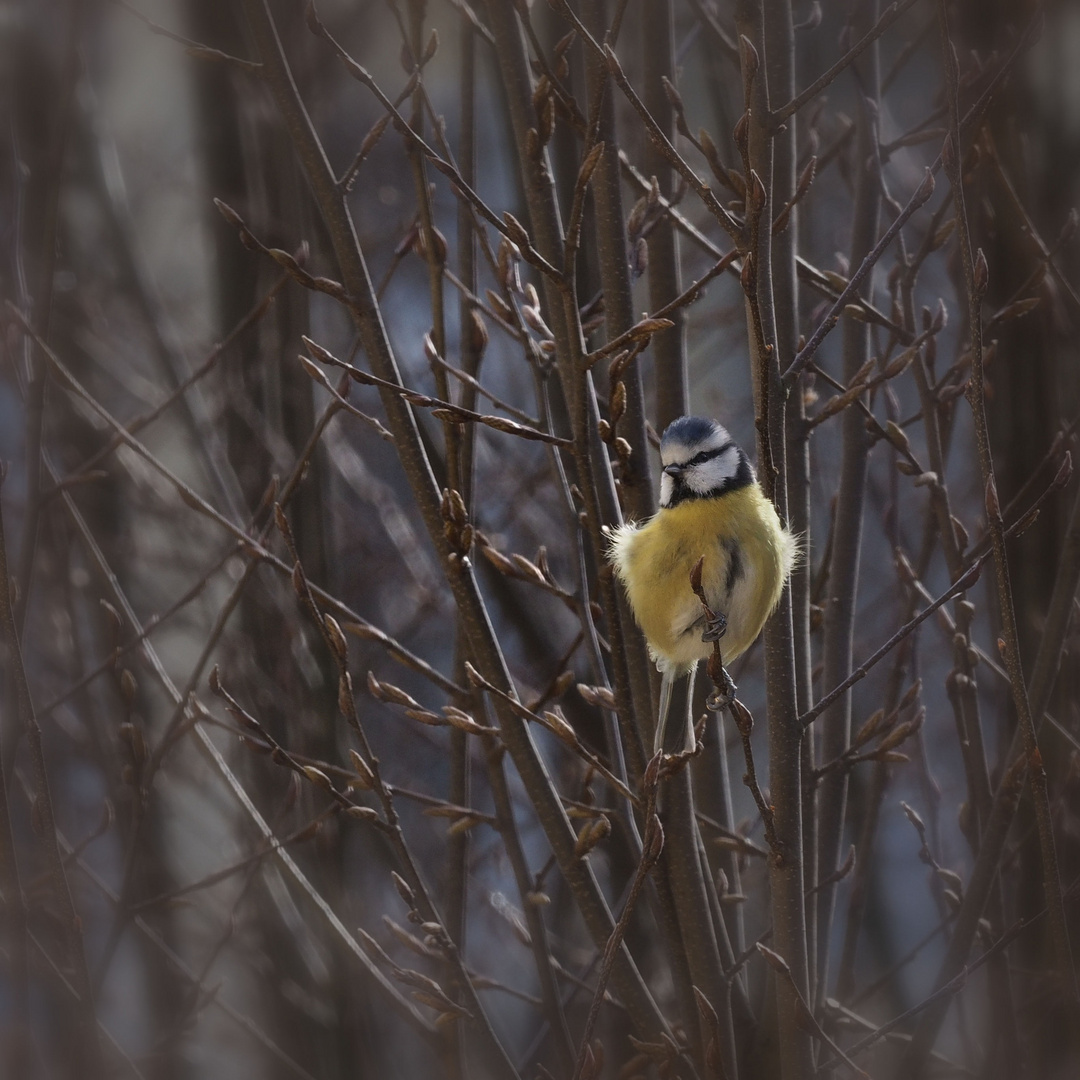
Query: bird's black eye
pixel 700 459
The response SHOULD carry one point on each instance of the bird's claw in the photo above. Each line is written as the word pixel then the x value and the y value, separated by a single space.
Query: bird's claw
pixel 715 627
pixel 722 696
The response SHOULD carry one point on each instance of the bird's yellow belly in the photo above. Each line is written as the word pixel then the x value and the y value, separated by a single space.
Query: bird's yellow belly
pixel 746 559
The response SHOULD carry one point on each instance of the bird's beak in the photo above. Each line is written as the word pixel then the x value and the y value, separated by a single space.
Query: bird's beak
pixel 673 470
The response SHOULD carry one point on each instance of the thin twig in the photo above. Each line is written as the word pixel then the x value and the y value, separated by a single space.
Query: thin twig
pixel 888 17
pixel 89 1046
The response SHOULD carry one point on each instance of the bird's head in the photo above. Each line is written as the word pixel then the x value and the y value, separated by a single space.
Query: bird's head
pixel 700 461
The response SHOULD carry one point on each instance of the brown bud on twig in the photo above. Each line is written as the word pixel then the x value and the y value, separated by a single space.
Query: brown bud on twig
pixel 910 694
pixel 528 569
pixel 384 691
pixel 115 621
pixel 942 234
pixel 453 507
pixel 432 46
pixel 346 700
pixel 915 819
pixel 299 582
pixel 375 688
pixel 619 363
pixel 588 166
pixel 712 156
pixel 758 195
pixel 314 23
pixel 478 332
pixel 899 364
pixel 336 638
pixel 774 960
pixel 952 879
pixel 591 834
pixel 948 153
pixel 708 1013
pixel 993 506
pixel 508 257
pixel 560 727
pixel 645 328
pixel 599 696
pixel 317 777
pixel 672 94
pixel 1065 470
pixel 439 246
pixel 748 58
pixel 515 230
pixel 982 274
pixel 535 321
pixel 370 141
pixel 1013 311
pixel 128 687
pixel 866 732
pixel 1068 230
pixel 617 405
pixel 457 718
pixel 897 436
pixel 748 276
pixel 612 61
pixel 541 92
pixel 925 189
pixel 365 775
pixel 404 890
pixel 546 120
pixel 741 134
pixel 133 736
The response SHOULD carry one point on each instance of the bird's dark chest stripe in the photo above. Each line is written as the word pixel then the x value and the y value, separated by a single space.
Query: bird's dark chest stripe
pixel 735 566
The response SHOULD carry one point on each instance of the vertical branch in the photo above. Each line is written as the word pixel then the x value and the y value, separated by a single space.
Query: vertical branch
pixel 1006 799
pixel 611 246
pixel 611 243
pixel 785 732
pixel 780 72
pixel 669 346
pixel 483 644
pixel 918 1051
pixel 847 531
pixel 18 1054
pixel 50 183
pixel 975 278
pixel 703 950
pixel 471 352
pixel 433 243
pixel 534 919
pixel 87 1049
pixel 593 471
pixel 473 332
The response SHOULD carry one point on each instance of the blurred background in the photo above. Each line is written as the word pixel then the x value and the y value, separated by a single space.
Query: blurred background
pixel 211 949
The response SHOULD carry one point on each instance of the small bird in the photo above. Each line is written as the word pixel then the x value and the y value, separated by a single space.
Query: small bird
pixel 711 506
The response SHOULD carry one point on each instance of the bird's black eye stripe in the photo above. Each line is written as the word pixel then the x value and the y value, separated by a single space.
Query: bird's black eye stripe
pixel 708 455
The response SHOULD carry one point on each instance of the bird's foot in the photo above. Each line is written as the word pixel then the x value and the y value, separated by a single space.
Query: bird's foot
pixel 715 627
pixel 723 695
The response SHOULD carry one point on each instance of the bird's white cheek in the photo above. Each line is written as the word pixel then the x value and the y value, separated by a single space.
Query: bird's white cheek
pixel 667 489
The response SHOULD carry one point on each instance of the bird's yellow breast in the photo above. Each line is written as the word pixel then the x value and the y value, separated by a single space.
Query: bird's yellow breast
pixel 748 555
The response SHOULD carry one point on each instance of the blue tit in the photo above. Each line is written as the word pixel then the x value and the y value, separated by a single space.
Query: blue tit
pixel 711 506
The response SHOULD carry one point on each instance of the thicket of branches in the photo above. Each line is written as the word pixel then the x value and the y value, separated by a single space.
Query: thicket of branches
pixel 335 337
